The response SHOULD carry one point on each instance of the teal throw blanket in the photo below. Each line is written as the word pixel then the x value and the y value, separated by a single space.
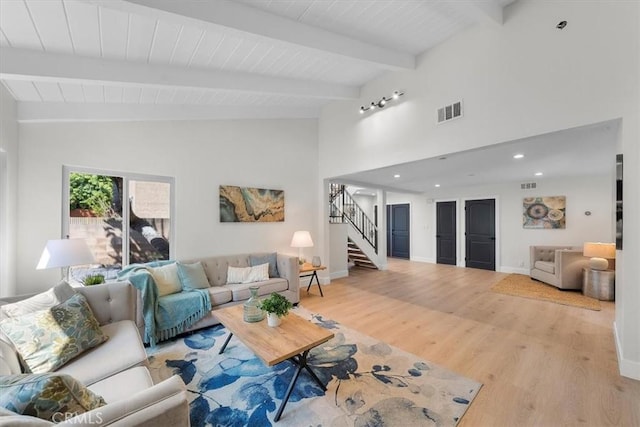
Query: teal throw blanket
pixel 169 315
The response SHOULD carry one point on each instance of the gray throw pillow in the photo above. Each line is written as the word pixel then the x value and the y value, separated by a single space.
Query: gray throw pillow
pixel 272 259
pixel 192 276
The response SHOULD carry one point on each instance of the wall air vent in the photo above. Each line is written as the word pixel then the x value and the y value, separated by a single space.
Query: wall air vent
pixel 450 112
pixel 528 186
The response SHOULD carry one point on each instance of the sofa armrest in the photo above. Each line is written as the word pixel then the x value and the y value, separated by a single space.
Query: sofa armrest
pixel 112 302
pixel 289 269
pixel 164 404
pixel 569 265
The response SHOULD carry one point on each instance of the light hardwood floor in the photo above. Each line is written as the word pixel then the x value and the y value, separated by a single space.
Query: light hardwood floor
pixel 542 364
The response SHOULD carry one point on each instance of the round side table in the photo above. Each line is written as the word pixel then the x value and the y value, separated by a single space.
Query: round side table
pixel 599 284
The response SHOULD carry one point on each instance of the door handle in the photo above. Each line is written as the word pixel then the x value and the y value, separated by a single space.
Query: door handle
pixel 492 238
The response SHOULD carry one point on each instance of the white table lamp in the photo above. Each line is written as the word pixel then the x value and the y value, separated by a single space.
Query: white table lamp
pixel 599 253
pixel 64 253
pixel 301 239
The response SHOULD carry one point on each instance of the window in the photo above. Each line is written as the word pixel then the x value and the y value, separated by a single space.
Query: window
pixel 124 218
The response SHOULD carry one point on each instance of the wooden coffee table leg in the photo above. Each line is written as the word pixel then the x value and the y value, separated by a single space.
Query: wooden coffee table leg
pixel 224 346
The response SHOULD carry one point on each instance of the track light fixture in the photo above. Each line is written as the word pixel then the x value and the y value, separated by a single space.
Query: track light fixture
pixel 382 102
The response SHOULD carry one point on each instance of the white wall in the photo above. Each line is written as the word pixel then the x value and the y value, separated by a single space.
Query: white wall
pixel 589 193
pixel 201 155
pixel 8 192
pixel 507 79
pixel 338 250
pixel 521 79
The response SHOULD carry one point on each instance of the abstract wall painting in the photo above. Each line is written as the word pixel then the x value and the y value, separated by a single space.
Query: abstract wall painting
pixel 544 212
pixel 246 204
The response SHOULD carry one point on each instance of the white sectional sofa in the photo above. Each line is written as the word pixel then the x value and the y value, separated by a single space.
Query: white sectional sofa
pixel 116 369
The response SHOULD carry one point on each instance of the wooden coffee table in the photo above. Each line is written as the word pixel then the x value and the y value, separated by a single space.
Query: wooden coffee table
pixel 292 341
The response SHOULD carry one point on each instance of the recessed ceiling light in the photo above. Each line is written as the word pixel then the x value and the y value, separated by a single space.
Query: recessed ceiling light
pixel 538 173
pixel 396 176
pixel 518 156
pixel 437 185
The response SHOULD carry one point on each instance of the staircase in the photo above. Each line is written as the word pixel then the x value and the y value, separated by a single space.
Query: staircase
pixel 362 232
pixel 358 257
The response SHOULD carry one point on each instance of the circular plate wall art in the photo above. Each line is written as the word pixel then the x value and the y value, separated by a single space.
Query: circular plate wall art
pixel 544 212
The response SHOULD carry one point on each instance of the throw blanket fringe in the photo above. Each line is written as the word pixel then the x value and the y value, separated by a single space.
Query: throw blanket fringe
pixel 166 334
pixel 177 312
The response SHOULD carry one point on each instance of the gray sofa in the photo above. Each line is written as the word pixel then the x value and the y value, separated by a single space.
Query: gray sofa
pixel 115 370
pixel 224 295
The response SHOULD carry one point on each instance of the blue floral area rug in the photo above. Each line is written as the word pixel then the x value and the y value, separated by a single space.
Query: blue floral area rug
pixel 369 383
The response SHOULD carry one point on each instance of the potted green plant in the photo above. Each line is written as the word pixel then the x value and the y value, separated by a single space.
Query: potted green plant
pixel 276 307
pixel 93 279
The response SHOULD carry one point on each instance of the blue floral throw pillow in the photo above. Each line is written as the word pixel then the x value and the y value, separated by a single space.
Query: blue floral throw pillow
pixel 53 397
pixel 48 339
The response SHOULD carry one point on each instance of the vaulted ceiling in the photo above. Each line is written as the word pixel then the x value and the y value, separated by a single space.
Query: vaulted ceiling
pixel 67 60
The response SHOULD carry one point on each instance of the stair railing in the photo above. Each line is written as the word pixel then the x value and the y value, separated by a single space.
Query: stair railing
pixel 344 209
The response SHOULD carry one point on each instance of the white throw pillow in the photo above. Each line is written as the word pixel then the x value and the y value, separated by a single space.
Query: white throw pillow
pixel 258 273
pixel 237 274
pixel 45 300
pixel 166 278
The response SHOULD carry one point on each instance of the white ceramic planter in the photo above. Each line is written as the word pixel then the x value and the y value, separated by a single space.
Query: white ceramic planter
pixel 273 320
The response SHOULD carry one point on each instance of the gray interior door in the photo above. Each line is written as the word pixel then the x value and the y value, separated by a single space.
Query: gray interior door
pixel 446 233
pixel 480 236
pixel 398 231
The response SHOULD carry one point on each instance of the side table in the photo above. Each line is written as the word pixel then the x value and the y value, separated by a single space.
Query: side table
pixel 599 284
pixel 308 270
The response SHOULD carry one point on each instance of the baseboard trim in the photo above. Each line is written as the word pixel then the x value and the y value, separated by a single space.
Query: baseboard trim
pixel 334 275
pixel 628 368
pixel 514 270
pixel 421 259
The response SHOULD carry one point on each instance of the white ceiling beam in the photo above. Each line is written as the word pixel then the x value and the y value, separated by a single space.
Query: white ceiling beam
pixel 240 17
pixel 486 11
pixel 21 64
pixel 42 112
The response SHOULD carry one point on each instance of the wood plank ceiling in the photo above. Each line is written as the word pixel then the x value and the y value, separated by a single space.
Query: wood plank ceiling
pixel 66 60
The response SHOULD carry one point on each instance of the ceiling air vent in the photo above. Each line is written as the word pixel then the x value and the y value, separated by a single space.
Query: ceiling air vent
pixel 528 186
pixel 450 112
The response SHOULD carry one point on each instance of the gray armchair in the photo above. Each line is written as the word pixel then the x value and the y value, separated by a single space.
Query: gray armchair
pixel 560 266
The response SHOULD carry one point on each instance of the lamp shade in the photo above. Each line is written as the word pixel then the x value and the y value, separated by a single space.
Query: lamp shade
pixel 65 253
pixel 301 239
pixel 600 250
pixel 600 253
